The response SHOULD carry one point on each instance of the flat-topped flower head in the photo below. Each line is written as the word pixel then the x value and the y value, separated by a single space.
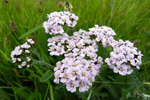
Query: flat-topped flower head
pixel 20 54
pixel 125 57
pixel 57 20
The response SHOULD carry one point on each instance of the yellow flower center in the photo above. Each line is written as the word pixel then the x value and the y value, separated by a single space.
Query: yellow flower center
pixel 57 77
pixel 65 76
pixel 51 41
pixel 85 52
pixel 90 50
pixel 105 30
pixel 71 47
pixel 81 84
pixel 74 64
pixel 107 42
pixel 99 30
pixel 83 62
pixel 91 69
pixel 76 35
pixel 58 29
pixel 71 85
pixel 85 42
pixel 53 49
pixel 73 73
pixel 90 80
pixel 93 31
pixel 83 73
pixel 79 53
pixel 100 38
pixel 120 69
pixel 59 50
pixel 79 47
pixel 58 67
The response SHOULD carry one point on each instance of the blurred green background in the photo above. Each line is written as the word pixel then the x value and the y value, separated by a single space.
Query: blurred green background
pixel 20 19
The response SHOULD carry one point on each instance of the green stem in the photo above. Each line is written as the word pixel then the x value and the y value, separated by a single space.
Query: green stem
pixel 46 92
pixel 15 94
pixel 51 92
pixel 89 95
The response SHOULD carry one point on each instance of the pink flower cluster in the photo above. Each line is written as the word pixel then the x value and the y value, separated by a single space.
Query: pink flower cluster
pixel 123 57
pixel 21 54
pixel 103 34
pixel 81 63
pixel 57 19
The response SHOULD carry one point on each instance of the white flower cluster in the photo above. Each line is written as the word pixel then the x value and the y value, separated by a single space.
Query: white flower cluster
pixel 123 57
pixel 56 19
pixel 81 63
pixel 103 34
pixel 21 54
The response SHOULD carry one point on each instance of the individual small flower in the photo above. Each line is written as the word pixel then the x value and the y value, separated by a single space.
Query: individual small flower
pixel 59 66
pixel 28 59
pixel 100 37
pixel 83 73
pixel 27 51
pixel 23 63
pixel 28 66
pixel 122 70
pixel 51 42
pixel 72 71
pixel 25 45
pixel 17 52
pixel 19 66
pixel 57 75
pixel 83 87
pixel 48 27
pixel 115 53
pixel 110 60
pixel 71 24
pixel 71 86
pixel 64 78
pixel 129 70
pixel 30 41
pixel 57 29
pixel 56 50
pixel 18 59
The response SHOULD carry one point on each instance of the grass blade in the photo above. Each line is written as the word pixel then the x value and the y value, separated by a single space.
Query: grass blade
pixel 31 31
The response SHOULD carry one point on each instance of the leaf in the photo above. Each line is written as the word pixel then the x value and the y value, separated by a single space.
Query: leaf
pixel 4 95
pixel 32 96
pixel 34 51
pixel 4 56
pixel 42 63
pixel 46 76
pixel 103 94
pixel 30 31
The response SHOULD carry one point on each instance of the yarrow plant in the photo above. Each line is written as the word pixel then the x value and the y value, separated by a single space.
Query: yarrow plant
pixel 21 54
pixel 81 63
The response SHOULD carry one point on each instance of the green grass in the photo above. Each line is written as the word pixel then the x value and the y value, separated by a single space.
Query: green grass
pixel 129 18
